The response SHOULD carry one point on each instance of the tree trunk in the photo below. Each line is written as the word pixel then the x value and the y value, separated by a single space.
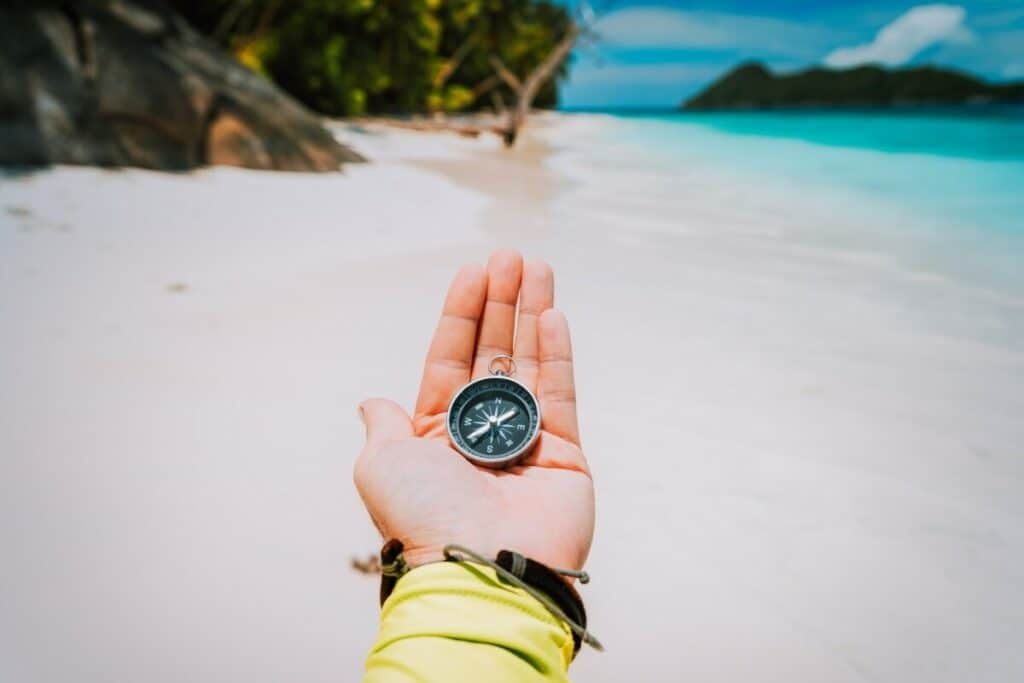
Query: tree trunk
pixel 527 89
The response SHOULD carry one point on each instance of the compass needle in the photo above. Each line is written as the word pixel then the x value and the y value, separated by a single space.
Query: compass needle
pixel 475 435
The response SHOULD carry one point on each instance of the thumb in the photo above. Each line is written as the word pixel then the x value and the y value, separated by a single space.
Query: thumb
pixel 385 421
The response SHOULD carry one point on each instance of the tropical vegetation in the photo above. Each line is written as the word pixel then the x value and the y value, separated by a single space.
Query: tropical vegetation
pixel 354 57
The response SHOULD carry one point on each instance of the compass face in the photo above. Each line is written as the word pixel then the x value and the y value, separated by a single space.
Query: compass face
pixel 494 421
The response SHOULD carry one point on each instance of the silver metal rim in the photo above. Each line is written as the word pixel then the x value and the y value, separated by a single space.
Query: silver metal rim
pixel 513 457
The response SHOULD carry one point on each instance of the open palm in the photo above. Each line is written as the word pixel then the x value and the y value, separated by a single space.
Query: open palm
pixel 422 492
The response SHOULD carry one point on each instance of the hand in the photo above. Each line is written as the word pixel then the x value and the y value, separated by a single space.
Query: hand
pixel 424 493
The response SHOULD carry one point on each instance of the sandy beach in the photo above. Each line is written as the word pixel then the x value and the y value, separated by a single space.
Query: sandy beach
pixel 807 446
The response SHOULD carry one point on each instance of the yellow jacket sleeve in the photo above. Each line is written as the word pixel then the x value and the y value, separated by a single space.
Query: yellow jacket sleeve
pixel 457 621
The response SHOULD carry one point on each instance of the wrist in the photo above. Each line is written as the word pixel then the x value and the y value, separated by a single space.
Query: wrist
pixel 417 555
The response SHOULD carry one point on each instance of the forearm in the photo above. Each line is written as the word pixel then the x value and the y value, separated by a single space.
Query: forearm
pixel 451 621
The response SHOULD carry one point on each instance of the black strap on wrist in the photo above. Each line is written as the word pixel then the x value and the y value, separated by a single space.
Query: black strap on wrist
pixel 548 582
pixel 542 582
pixel 392 567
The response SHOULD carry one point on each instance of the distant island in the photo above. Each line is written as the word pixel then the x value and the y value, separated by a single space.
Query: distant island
pixel 753 86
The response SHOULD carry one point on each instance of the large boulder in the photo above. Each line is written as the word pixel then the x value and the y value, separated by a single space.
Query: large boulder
pixel 130 83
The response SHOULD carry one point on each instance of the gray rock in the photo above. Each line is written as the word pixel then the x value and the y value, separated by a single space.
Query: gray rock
pixel 129 83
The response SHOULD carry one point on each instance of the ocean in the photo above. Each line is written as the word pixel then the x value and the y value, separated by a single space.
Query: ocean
pixel 942 189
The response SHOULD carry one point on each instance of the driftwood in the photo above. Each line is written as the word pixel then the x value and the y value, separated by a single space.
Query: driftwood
pixel 526 88
pixel 509 120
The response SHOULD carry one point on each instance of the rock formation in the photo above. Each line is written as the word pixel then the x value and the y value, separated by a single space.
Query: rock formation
pixel 130 83
pixel 752 86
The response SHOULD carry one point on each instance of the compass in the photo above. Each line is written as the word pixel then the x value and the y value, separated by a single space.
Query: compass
pixel 494 421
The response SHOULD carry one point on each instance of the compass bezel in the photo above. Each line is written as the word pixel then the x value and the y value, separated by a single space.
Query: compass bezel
pixel 508 459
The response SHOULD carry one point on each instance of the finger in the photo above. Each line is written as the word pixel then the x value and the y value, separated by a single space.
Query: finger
pixel 556 388
pixel 384 421
pixel 450 357
pixel 536 296
pixel 497 328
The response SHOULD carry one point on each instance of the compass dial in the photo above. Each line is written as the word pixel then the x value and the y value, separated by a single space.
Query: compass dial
pixel 494 421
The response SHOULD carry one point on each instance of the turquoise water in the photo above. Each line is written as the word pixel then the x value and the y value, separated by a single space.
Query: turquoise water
pixel 945 187
pixel 938 191
pixel 962 170
pixel 982 133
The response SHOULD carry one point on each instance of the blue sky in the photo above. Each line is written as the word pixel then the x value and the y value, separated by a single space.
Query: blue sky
pixel 654 53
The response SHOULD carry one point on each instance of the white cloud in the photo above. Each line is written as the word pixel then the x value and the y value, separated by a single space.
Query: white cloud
pixel 918 28
pixel 662 28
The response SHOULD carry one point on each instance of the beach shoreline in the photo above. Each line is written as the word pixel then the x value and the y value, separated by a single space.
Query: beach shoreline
pixel 822 441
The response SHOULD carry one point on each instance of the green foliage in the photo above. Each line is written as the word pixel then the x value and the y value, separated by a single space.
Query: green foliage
pixel 350 57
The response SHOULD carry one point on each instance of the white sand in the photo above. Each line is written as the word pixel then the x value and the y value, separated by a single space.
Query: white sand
pixel 809 460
